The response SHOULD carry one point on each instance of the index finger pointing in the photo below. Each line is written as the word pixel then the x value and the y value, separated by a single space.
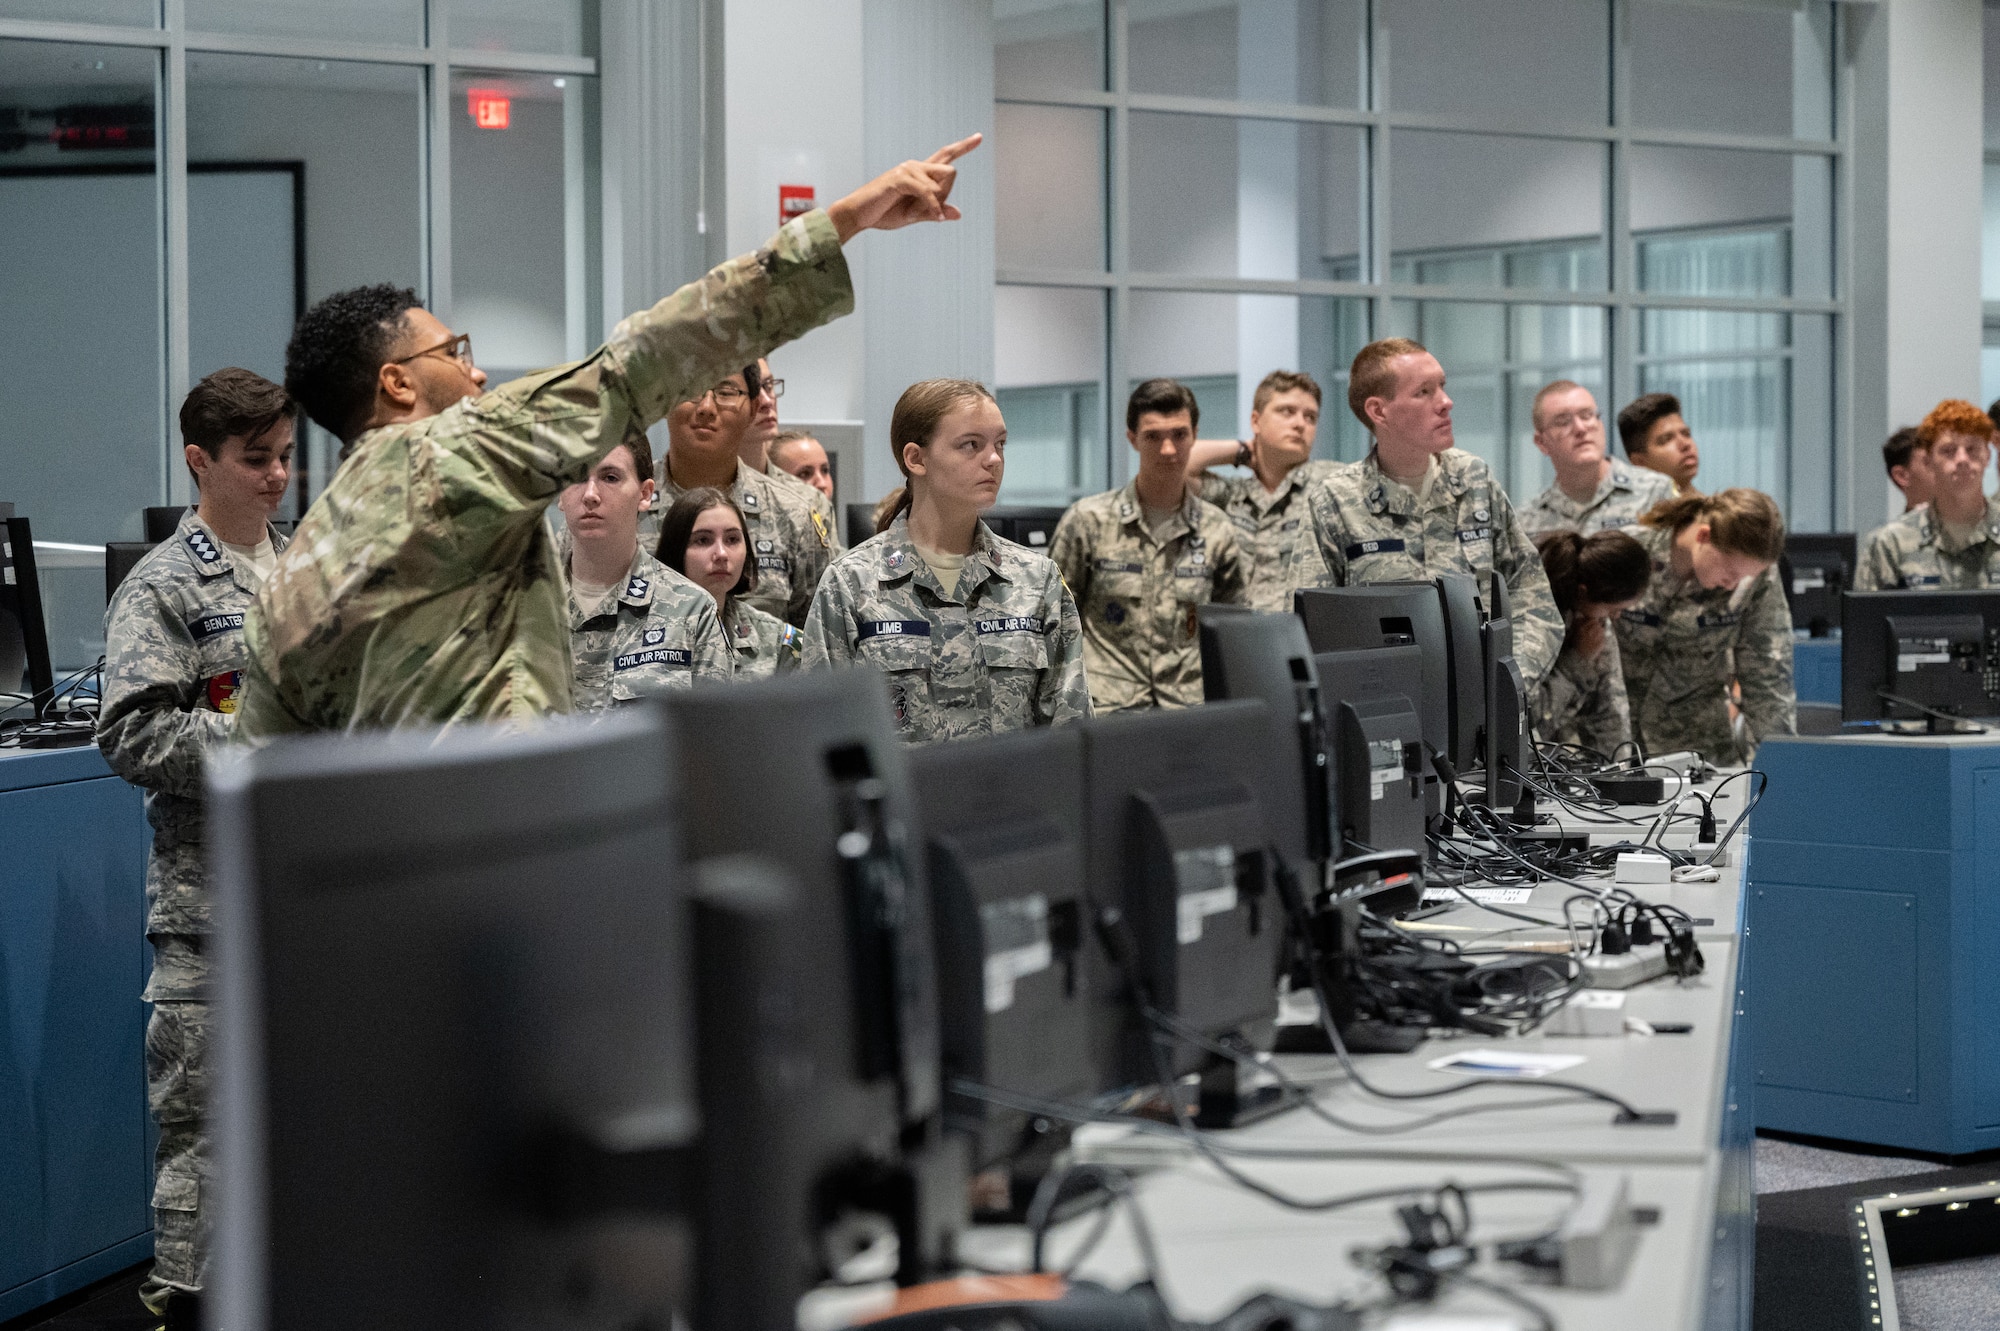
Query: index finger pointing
pixel 951 152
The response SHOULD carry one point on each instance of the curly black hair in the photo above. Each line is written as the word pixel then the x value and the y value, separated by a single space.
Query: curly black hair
pixel 337 350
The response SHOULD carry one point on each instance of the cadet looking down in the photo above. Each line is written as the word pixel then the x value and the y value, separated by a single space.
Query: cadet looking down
pixel 1593 491
pixel 1952 543
pixel 1909 466
pixel 1143 559
pixel 423 587
pixel 173 664
pixel 1657 437
pixel 1594 579
pixel 705 537
pixel 1713 616
pixel 1417 507
pixel 791 537
pixel 637 629
pixel 977 635
pixel 1268 506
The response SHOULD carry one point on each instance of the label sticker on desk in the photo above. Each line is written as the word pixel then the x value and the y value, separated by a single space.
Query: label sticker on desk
pixel 1485 896
pixel 1206 877
pixel 1017 945
pixel 1385 764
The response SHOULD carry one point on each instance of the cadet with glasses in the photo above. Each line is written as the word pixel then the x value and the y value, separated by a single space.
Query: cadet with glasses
pixel 977 635
pixel 759 452
pixel 1713 618
pixel 1594 578
pixel 1953 543
pixel 424 586
pixel 173 662
pixel 637 629
pixel 1592 491
pixel 705 538
pixel 789 532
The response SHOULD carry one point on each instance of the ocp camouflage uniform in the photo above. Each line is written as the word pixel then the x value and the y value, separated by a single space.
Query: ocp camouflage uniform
pixel 173 663
pixel 657 633
pixel 1677 645
pixel 1370 529
pixel 794 540
pixel 1000 651
pixel 1275 530
pixel 760 644
pixel 1582 700
pixel 1916 553
pixel 1138 594
pixel 1626 494
pixel 423 588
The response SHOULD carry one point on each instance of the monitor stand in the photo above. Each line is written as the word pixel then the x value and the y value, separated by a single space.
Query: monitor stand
pixel 1228 1102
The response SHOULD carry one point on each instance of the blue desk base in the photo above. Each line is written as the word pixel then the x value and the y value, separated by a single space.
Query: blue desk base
pixel 1816 669
pixel 1873 900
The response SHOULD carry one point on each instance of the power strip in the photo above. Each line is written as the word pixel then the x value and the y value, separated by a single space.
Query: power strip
pixel 1647 962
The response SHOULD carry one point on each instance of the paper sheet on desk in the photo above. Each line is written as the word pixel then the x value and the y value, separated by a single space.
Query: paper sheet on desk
pixel 1503 1063
pixel 1485 896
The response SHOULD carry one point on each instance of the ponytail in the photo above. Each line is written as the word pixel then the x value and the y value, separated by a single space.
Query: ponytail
pixel 1740 521
pixel 893 505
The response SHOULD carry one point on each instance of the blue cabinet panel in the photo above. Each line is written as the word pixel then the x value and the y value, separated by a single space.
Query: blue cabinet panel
pixel 1816 669
pixel 1984 1034
pixel 1850 962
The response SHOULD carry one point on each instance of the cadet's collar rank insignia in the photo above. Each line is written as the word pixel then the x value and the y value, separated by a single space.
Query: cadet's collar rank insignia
pixel 819 525
pixel 636 589
pixel 749 498
pixel 1125 512
pixel 204 550
pixel 1377 496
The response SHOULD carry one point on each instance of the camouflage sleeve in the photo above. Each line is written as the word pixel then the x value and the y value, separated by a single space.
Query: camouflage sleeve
pixel 150 729
pixel 1764 661
pixel 713 660
pixel 811 556
pixel 824 637
pixel 1064 694
pixel 261 709
pixel 1325 514
pixel 1232 567
pixel 1876 569
pixel 1538 626
pixel 1069 548
pixel 791 644
pixel 1606 719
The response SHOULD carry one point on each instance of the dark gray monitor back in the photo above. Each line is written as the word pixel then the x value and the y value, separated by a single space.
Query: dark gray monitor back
pixel 1001 823
pixel 1402 614
pixel 434 952
pixel 1940 649
pixel 1376 744
pixel 24 634
pixel 860 522
pixel 160 521
pixel 1178 844
pixel 1266 656
pixel 1023 524
pixel 120 558
pixel 1819 566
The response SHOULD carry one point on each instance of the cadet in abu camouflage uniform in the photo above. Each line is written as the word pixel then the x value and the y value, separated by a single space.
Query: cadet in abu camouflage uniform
pixel 1273 526
pixel 1417 507
pixel 1714 615
pixel 637 629
pixel 1593 491
pixel 173 663
pixel 705 537
pixel 789 527
pixel 1594 579
pixel 1952 543
pixel 977 635
pixel 1143 559
pixel 423 587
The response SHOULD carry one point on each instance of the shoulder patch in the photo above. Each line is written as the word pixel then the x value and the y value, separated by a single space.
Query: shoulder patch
pixel 819 525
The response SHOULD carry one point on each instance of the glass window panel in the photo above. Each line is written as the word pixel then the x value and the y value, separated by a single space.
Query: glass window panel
pixel 141 13
pixel 1476 209
pixel 1048 370
pixel 1307 51
pixel 1047 46
pixel 1732 374
pixel 380 22
pixel 1049 164
pixel 1989 252
pixel 1991 33
pixel 1733 69
pixel 353 132
pixel 1220 197
pixel 1543 60
pixel 1709 221
pixel 80 227
pixel 521 252
pixel 546 26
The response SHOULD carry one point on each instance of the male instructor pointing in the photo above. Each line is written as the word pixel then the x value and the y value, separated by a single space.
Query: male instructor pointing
pixel 423 587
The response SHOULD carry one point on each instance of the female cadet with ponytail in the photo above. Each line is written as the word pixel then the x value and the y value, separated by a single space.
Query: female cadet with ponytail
pixel 1713 617
pixel 977 635
pixel 1582 699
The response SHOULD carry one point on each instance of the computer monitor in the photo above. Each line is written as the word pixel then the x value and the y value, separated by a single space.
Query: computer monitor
pixel 1266 656
pixel 1504 744
pixel 1375 741
pixel 24 631
pixel 120 558
pixel 460 1079
pixel 161 520
pixel 860 523
pixel 1179 855
pixel 1001 825
pixel 1820 568
pixel 1919 655
pixel 1024 524
pixel 805 772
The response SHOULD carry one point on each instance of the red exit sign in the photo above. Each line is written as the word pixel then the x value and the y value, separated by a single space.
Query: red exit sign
pixel 794 201
pixel 489 109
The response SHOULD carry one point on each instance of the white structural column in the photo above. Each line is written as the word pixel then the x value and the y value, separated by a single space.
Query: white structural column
pixel 1916 135
pixel 1267 198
